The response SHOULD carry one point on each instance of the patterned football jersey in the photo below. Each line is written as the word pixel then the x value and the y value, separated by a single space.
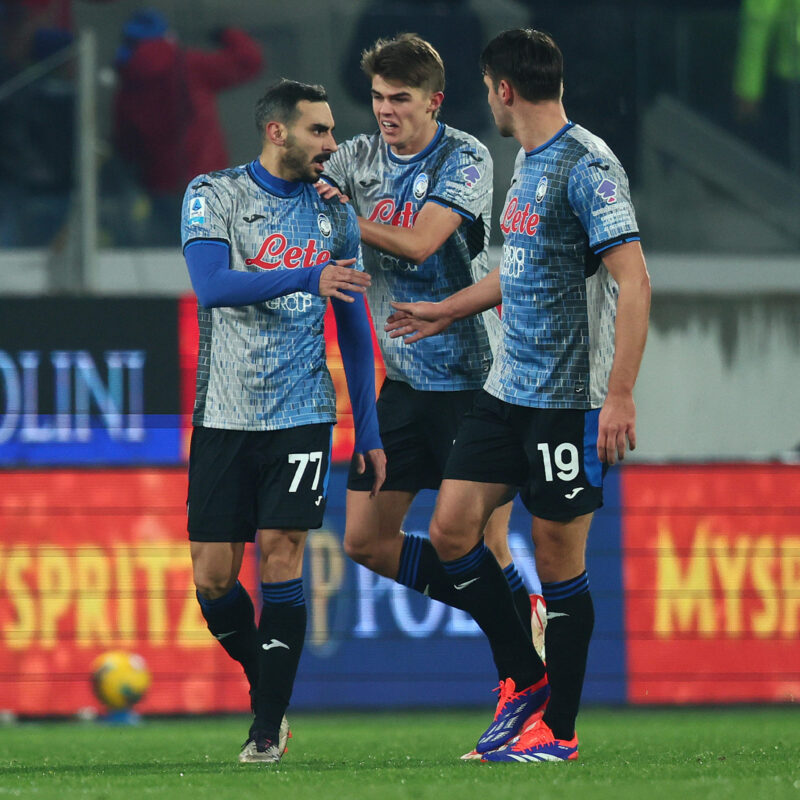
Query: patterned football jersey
pixel 454 170
pixel 262 366
pixel 569 201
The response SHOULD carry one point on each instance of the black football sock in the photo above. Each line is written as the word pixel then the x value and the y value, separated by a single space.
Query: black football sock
pixel 570 620
pixel 421 570
pixel 486 595
pixel 281 631
pixel 522 599
pixel 231 619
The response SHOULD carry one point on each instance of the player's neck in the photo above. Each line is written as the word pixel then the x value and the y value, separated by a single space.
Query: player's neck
pixel 539 123
pixel 418 142
pixel 273 165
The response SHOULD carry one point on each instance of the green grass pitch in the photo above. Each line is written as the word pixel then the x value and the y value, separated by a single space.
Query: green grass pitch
pixel 648 754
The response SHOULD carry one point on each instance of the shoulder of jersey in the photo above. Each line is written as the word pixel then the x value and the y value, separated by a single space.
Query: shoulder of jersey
pixel 222 176
pixel 594 145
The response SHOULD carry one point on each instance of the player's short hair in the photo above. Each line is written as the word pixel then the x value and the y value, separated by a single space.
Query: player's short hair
pixel 406 59
pixel 529 60
pixel 279 102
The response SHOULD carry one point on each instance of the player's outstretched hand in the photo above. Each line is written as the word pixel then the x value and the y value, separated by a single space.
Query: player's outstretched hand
pixel 338 277
pixel 378 460
pixel 616 427
pixel 416 321
pixel 325 190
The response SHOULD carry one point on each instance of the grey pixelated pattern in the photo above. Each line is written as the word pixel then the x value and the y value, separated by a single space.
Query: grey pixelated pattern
pixel 559 301
pixel 262 366
pixel 455 170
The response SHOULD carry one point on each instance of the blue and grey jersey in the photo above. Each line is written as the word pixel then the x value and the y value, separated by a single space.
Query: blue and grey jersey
pixel 454 170
pixel 569 202
pixel 262 366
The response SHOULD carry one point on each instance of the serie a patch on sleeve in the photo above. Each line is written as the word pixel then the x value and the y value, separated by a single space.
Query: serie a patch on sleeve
pixel 197 210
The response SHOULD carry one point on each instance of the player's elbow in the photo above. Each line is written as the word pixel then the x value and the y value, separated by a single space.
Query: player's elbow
pixel 206 297
pixel 419 252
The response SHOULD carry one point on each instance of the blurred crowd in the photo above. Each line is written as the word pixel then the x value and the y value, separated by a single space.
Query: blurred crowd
pixel 166 125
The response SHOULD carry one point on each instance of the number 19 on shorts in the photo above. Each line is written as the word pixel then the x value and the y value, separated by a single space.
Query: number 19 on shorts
pixel 566 459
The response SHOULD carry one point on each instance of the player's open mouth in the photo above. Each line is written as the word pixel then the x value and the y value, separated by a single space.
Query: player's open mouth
pixel 389 126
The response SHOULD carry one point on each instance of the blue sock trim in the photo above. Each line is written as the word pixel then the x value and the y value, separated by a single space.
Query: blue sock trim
pixel 468 563
pixel 221 602
pixel 288 593
pixel 564 589
pixel 409 560
pixel 513 577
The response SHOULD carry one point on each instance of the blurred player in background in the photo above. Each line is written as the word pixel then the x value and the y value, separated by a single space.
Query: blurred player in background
pixel 557 408
pixel 423 193
pixel 264 251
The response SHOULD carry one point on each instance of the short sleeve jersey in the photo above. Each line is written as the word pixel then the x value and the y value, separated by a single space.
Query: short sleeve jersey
pixel 262 366
pixel 454 170
pixel 569 202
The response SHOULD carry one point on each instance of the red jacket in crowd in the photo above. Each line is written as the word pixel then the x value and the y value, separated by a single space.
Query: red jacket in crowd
pixel 166 121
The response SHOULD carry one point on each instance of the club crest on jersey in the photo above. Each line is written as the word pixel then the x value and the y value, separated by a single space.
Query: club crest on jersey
pixel 197 210
pixel 541 189
pixel 324 225
pixel 608 191
pixel 471 175
pixel 420 186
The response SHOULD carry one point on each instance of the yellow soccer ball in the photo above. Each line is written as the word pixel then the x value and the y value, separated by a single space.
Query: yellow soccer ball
pixel 120 679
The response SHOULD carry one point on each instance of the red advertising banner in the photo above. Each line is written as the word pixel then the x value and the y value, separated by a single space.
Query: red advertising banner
pixel 92 561
pixel 711 570
pixel 343 433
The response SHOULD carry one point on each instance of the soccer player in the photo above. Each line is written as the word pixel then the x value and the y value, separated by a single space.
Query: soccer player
pixel 264 251
pixel 423 192
pixel 557 408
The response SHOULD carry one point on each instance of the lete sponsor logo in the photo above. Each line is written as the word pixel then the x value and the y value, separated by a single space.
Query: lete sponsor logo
pixel 387 212
pixel 519 221
pixel 275 252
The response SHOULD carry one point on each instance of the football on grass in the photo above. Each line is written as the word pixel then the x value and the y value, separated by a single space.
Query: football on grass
pixel 120 679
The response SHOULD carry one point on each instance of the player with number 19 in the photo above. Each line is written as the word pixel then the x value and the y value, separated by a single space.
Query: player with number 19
pixel 264 252
pixel 557 407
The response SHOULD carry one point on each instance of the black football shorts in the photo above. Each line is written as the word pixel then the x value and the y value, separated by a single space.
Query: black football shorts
pixel 549 454
pixel 417 429
pixel 242 481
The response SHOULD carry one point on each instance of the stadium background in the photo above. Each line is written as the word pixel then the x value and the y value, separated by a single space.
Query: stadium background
pixel 695 559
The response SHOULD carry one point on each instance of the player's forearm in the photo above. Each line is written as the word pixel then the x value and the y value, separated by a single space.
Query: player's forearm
pixel 633 309
pixel 355 344
pixel 406 243
pixel 474 299
pixel 218 286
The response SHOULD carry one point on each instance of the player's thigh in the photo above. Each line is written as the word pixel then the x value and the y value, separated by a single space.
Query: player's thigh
pixel 215 566
pixel 281 554
pixel 462 510
pixel 560 547
pixel 375 519
pixel 222 487
pixel 565 475
pixel 293 468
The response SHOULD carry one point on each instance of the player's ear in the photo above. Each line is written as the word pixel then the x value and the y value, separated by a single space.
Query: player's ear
pixel 435 101
pixel 505 91
pixel 276 133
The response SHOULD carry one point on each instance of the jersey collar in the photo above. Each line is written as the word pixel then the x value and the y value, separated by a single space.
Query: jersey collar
pixel 272 183
pixel 422 153
pixel 549 141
